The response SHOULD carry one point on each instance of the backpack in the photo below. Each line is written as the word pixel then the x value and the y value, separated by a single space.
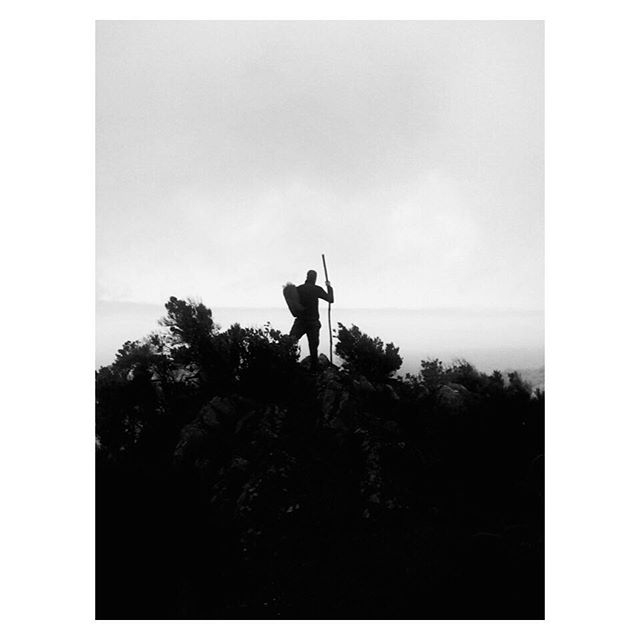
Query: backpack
pixel 292 297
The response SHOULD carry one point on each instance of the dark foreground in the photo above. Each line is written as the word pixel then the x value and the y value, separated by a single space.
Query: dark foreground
pixel 234 483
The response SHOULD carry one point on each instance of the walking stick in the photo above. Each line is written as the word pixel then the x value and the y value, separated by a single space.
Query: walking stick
pixel 326 277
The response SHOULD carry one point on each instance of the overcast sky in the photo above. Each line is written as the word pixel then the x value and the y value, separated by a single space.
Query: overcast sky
pixel 231 155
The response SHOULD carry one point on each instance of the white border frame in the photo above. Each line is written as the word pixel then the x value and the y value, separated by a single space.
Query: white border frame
pixel 592 267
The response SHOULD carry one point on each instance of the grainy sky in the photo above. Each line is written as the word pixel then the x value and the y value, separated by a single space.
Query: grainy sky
pixel 231 155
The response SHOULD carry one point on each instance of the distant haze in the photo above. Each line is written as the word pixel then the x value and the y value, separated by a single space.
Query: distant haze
pixel 231 155
pixel 489 340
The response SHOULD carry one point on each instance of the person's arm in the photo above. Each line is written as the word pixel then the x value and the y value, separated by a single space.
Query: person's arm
pixel 326 296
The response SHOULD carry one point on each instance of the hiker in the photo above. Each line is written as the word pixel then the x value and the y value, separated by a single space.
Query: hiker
pixel 308 321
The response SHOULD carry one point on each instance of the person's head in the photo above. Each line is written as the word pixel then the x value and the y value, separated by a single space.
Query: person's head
pixel 311 276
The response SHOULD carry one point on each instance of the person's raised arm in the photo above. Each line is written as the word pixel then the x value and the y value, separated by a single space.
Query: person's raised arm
pixel 327 296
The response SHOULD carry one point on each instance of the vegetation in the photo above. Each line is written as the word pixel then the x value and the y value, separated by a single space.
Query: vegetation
pixel 232 482
pixel 366 356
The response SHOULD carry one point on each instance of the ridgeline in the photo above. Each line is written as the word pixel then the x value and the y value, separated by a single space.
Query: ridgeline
pixel 232 482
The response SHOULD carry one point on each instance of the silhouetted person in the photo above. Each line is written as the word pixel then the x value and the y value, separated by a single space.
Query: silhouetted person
pixel 309 320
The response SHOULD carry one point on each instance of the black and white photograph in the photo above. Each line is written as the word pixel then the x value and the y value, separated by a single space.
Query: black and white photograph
pixel 320 383
pixel 320 320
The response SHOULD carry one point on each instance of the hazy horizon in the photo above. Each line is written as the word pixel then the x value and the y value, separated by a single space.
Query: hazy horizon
pixel 489 339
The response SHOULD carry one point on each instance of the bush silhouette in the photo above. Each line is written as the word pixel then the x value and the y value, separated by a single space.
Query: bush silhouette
pixel 363 355
pixel 231 482
pixel 261 359
pixel 189 322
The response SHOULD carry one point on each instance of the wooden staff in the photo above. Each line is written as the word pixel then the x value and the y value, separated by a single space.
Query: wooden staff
pixel 326 277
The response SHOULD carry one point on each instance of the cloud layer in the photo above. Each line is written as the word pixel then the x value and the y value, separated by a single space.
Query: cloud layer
pixel 230 155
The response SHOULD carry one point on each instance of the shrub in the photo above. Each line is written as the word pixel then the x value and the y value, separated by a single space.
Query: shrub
pixel 518 387
pixel 191 330
pixel 432 373
pixel 464 373
pixel 363 355
pixel 260 360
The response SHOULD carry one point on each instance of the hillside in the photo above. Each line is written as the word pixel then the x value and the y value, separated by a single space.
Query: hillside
pixel 232 482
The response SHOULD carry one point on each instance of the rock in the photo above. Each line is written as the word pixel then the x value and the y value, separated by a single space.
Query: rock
pixel 194 436
pixel 190 445
pixel 391 392
pixel 362 384
pixel 450 398
pixel 323 363
pixel 215 412
pixel 460 388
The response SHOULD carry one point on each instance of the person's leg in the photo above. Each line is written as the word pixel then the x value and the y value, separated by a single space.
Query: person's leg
pixel 313 335
pixel 297 330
